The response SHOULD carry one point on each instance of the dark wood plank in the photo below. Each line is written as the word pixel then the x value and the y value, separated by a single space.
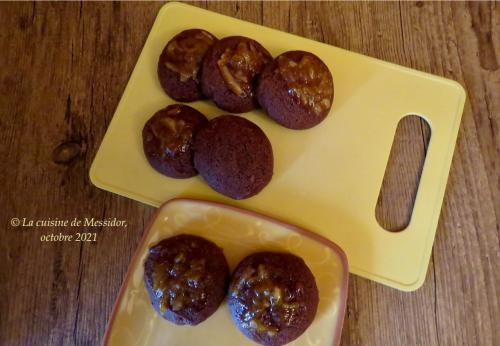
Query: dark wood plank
pixel 56 93
pixel 64 67
pixel 402 175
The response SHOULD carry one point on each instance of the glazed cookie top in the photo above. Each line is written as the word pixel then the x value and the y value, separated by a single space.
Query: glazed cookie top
pixel 273 296
pixel 240 62
pixel 187 278
pixel 185 52
pixel 180 276
pixel 173 132
pixel 308 79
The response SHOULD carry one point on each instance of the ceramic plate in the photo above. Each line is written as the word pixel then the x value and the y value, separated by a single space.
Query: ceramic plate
pixel 239 233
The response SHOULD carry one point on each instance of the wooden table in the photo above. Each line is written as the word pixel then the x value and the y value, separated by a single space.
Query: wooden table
pixel 63 69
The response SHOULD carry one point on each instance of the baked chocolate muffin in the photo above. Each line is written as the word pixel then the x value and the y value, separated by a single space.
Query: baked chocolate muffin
pixel 234 156
pixel 186 277
pixel 167 140
pixel 273 297
pixel 180 62
pixel 296 90
pixel 229 72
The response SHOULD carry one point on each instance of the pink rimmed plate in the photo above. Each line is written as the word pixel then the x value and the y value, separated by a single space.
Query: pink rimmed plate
pixel 239 233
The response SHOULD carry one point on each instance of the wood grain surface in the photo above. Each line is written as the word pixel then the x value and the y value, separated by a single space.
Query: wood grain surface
pixel 63 69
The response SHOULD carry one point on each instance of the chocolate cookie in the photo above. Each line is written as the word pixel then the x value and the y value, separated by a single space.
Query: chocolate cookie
pixel 273 297
pixel 296 90
pixel 234 156
pixel 180 62
pixel 186 277
pixel 167 140
pixel 229 72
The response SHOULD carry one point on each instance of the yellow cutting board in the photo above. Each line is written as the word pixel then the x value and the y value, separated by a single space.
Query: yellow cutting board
pixel 326 179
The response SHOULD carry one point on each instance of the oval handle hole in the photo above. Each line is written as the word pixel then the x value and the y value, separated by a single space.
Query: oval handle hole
pixel 402 174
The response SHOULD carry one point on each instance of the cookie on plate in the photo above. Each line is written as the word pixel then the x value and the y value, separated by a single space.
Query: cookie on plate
pixel 229 72
pixel 234 156
pixel 180 62
pixel 273 297
pixel 296 90
pixel 168 137
pixel 186 278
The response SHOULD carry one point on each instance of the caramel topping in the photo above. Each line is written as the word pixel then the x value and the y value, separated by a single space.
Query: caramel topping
pixel 174 134
pixel 260 327
pixel 271 305
pixel 240 66
pixel 308 81
pixel 184 54
pixel 178 283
